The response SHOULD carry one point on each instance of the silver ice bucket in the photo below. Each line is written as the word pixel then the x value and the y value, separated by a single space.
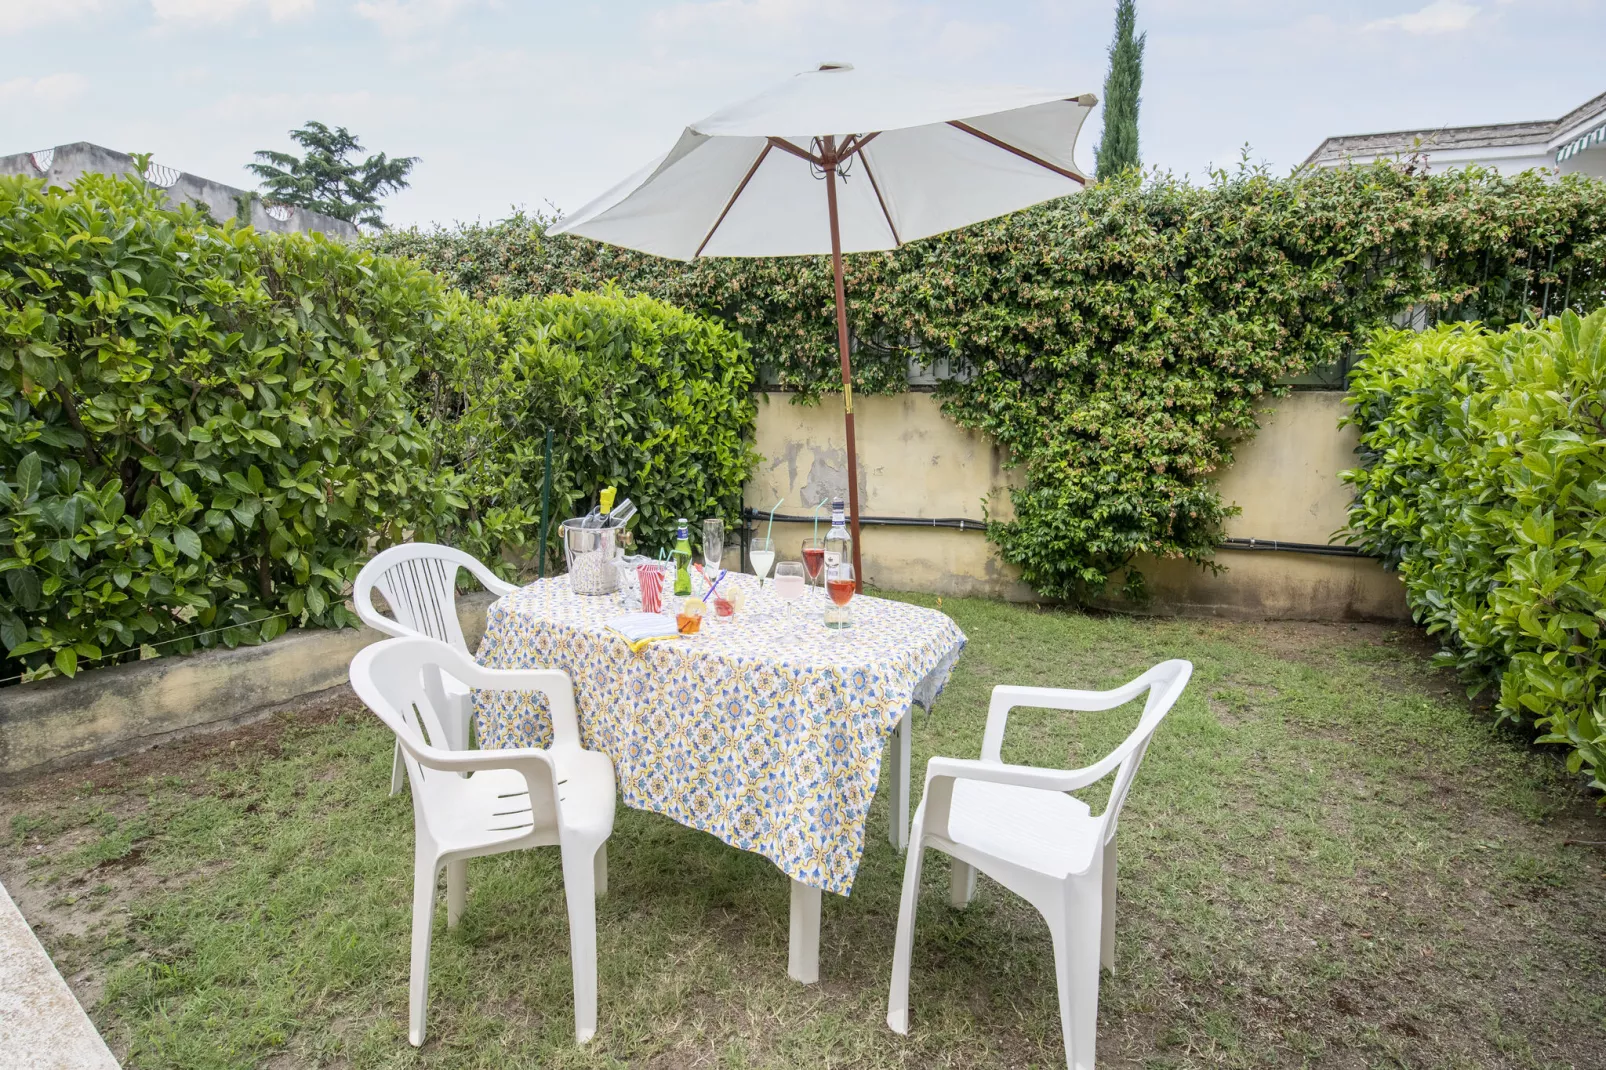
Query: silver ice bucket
pixel 592 556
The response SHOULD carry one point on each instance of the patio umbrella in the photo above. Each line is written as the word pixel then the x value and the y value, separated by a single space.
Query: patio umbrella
pixel 898 160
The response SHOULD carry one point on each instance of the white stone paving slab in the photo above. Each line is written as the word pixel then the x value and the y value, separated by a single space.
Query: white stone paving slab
pixel 42 1027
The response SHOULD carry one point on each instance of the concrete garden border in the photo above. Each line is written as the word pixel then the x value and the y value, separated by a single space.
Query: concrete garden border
pixel 122 709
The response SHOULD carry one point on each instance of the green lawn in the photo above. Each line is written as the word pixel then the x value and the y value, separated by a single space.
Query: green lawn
pixel 1329 859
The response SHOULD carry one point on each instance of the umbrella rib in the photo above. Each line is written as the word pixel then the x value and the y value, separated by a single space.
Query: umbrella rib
pixel 870 174
pixel 786 146
pixel 751 171
pixel 1022 153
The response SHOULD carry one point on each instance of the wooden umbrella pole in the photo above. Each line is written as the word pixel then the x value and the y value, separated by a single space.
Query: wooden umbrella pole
pixel 842 352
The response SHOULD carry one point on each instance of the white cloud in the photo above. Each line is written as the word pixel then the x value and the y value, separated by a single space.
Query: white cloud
pixel 18 15
pixel 49 89
pixel 404 18
pixel 227 10
pixel 1441 16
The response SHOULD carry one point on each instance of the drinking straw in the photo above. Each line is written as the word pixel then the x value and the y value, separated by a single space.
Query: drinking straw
pixel 709 596
pixel 769 531
pixel 817 509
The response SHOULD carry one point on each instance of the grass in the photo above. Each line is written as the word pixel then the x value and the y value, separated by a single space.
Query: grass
pixel 1328 859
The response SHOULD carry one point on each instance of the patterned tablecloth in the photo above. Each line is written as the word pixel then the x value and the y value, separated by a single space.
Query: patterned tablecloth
pixel 765 730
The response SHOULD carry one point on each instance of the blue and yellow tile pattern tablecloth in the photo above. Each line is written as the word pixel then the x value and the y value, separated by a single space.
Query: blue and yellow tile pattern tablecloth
pixel 765 730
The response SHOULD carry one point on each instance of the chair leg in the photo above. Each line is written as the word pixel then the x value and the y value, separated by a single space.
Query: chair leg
pixel 903 947
pixel 579 890
pixel 398 771
pixel 1076 967
pixel 425 870
pixel 599 867
pixel 1107 911
pixel 961 884
pixel 456 890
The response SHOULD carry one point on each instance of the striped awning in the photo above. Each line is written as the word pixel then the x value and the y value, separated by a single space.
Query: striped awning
pixel 1577 145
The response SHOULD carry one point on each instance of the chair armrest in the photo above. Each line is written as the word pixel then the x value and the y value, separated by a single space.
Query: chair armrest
pixel 499 587
pixel 1007 697
pixel 469 761
pixel 488 579
pixel 942 773
pixel 553 683
pixel 1024 776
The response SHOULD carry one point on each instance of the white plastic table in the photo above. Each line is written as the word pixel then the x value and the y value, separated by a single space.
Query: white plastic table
pixel 766 731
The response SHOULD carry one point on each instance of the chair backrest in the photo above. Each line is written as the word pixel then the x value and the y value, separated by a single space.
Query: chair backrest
pixel 400 681
pixel 419 582
pixel 1165 682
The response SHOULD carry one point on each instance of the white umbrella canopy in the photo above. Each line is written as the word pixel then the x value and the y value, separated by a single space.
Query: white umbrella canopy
pixel 930 157
pixel 898 160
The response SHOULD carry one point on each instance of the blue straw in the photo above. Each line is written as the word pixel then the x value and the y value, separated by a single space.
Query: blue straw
pixel 709 596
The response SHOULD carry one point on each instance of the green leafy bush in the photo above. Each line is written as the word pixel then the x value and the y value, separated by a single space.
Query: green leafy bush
pixel 1119 342
pixel 1484 483
pixel 205 431
pixel 202 429
pixel 639 395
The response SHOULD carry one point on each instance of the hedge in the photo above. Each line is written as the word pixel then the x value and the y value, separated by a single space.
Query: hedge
pixel 204 430
pixel 639 395
pixel 205 426
pixel 1483 481
pixel 1118 343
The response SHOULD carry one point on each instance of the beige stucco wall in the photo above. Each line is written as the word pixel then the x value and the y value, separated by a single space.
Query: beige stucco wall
pixel 913 461
pixel 1285 481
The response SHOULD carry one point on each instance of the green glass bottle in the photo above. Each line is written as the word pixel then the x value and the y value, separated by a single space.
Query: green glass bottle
pixel 682 558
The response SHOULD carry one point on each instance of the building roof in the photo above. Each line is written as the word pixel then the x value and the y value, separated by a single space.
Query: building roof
pixel 1539 132
pixel 65 164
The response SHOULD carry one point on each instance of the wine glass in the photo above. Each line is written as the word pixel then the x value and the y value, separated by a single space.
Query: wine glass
pixel 789 584
pixel 713 544
pixel 813 559
pixel 840 587
pixel 762 554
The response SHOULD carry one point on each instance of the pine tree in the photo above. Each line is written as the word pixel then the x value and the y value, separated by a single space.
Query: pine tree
pixel 1118 148
pixel 326 181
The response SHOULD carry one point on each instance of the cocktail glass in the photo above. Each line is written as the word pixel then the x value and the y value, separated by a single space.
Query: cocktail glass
pixel 789 582
pixel 762 554
pixel 840 588
pixel 814 560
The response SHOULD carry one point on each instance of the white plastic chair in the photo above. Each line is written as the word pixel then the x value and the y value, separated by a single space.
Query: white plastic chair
pixel 1016 824
pixel 419 582
pixel 528 797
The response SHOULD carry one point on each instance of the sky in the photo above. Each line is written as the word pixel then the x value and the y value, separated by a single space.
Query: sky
pixel 539 105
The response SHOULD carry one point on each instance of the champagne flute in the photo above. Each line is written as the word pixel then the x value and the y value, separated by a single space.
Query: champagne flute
pixel 713 544
pixel 762 553
pixel 789 584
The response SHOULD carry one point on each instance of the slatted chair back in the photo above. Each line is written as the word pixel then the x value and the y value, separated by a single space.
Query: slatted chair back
pixel 419 583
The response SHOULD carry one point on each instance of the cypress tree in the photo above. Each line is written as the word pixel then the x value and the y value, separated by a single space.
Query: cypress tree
pixel 1118 148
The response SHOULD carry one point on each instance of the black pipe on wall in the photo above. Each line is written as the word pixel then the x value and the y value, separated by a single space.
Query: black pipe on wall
pixel 964 524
